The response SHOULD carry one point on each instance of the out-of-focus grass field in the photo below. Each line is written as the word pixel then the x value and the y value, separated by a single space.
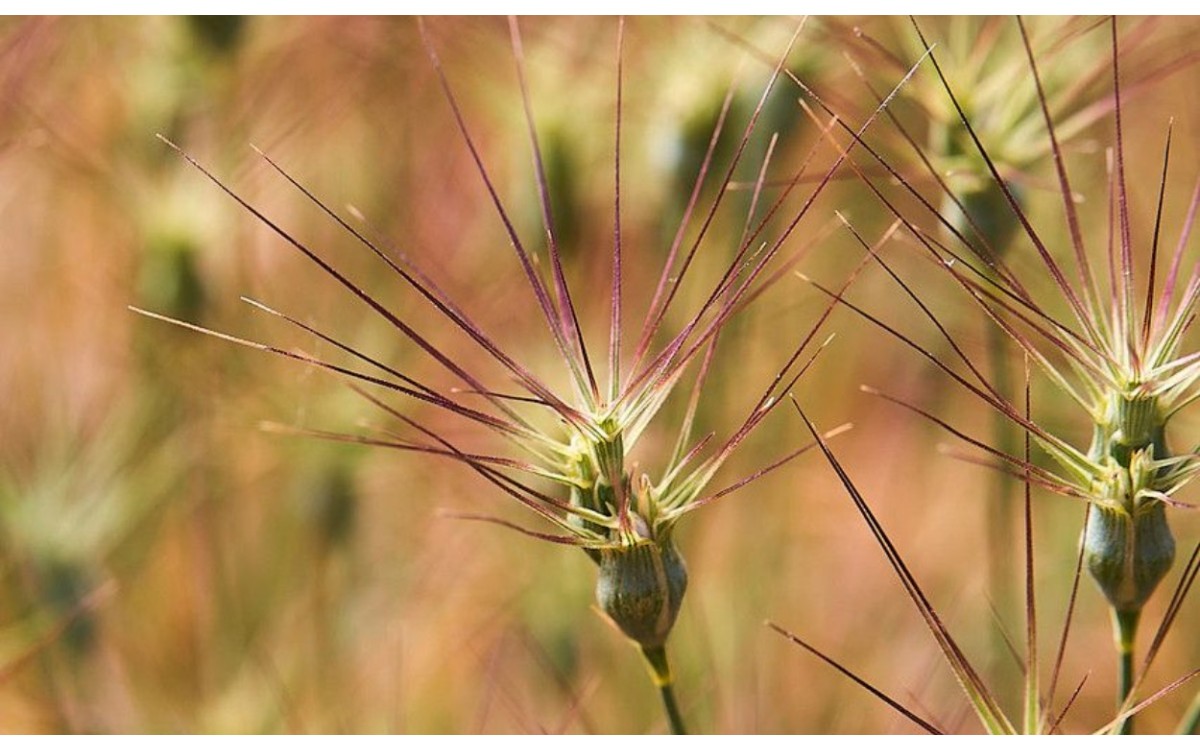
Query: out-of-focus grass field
pixel 167 565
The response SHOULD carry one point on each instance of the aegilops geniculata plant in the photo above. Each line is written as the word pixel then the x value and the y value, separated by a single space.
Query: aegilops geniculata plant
pixel 573 465
pixel 1119 356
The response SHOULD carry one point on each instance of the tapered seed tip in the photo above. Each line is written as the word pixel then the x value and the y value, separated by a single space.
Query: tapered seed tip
pixel 868 389
pixel 840 429
pixel 148 313
pixel 263 307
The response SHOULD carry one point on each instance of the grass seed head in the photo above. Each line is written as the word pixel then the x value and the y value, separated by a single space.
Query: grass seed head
pixel 568 455
pixel 1118 353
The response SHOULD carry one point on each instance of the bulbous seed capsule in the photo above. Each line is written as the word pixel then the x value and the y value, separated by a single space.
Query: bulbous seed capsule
pixel 1128 554
pixel 641 587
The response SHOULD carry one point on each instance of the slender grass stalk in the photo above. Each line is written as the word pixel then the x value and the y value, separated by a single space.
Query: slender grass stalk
pixel 673 716
pixel 1034 720
pixel 664 679
pixel 1125 625
pixel 1001 527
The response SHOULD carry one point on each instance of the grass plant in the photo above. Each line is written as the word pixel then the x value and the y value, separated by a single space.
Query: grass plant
pixel 1118 354
pixel 542 274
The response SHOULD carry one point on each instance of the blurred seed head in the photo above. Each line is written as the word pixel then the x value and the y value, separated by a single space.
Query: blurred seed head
pixel 220 35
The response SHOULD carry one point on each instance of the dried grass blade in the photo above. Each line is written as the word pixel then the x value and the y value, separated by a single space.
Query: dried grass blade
pixel 981 699
pixel 893 704
pixel 1153 267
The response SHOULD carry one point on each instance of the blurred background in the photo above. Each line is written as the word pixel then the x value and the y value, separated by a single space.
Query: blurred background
pixel 168 565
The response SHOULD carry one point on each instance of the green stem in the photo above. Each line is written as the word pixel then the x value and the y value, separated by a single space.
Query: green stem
pixel 660 673
pixel 673 715
pixel 1001 529
pixel 1001 533
pixel 1126 623
pixel 1191 719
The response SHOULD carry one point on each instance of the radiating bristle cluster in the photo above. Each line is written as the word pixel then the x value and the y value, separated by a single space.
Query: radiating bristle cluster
pixel 566 454
pixel 585 485
pixel 1120 358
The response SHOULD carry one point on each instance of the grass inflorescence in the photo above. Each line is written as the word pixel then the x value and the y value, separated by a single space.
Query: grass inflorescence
pixel 1118 355
pixel 546 283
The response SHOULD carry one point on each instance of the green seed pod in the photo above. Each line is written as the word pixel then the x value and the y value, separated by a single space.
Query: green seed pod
pixel 563 187
pixel 171 279
pixel 685 142
pixel 641 587
pixel 218 34
pixel 62 585
pixel 332 502
pixel 592 499
pixel 590 495
pixel 1128 554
